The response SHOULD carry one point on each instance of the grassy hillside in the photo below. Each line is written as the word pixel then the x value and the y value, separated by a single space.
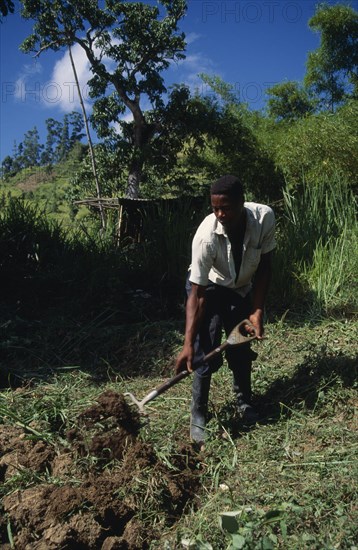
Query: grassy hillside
pixel 47 187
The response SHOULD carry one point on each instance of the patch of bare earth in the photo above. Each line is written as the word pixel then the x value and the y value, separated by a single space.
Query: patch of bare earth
pixel 96 506
pixel 34 180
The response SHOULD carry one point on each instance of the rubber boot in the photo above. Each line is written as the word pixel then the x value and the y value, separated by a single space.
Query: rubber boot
pixel 199 407
pixel 242 391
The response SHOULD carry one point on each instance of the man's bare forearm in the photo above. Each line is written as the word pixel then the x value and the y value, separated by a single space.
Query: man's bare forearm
pixel 195 308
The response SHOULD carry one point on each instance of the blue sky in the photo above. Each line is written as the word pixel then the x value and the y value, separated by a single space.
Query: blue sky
pixel 249 44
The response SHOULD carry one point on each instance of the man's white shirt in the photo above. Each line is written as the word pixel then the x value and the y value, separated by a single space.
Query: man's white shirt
pixel 212 257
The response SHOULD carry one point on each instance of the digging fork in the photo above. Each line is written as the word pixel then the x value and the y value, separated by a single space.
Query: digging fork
pixel 237 336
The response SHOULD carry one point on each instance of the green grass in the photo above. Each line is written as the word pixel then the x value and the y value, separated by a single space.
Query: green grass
pixel 332 275
pixel 291 481
pixel 288 483
pixel 47 189
pixel 71 327
pixel 316 261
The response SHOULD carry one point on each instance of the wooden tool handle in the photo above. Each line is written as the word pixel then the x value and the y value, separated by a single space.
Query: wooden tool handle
pixel 171 382
pixel 183 374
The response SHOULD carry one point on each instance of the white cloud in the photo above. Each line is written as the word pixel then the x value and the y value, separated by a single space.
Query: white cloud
pixel 192 37
pixel 197 62
pixel 25 87
pixel 187 70
pixel 61 90
pixel 127 117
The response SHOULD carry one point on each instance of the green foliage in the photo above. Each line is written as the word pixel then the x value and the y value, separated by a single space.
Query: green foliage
pixel 61 139
pixel 289 101
pixel 203 136
pixel 313 265
pixel 244 524
pixel 319 146
pixel 45 265
pixel 109 169
pixel 140 40
pixel 185 119
pixel 331 276
pixel 53 133
pixel 31 148
pixel 7 166
pixel 232 143
pixel 41 262
pixel 334 64
pixel 315 262
pixel 45 186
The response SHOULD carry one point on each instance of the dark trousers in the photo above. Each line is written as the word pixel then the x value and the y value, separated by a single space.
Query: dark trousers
pixel 224 309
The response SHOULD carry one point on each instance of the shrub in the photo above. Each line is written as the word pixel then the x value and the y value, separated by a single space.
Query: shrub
pixel 320 146
pixel 316 232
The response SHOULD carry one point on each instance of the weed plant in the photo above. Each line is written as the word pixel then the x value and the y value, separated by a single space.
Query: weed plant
pixel 316 258
pixel 332 275
pixel 42 263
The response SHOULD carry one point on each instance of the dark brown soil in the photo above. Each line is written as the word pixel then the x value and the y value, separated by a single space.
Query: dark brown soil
pixel 88 494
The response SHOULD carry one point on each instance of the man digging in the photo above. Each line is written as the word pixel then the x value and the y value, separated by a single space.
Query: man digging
pixel 227 282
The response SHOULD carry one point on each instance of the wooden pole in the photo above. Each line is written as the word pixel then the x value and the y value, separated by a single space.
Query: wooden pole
pixel 90 144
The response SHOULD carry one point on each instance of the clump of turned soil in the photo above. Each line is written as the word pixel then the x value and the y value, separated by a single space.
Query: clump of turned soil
pixel 106 429
pixel 69 501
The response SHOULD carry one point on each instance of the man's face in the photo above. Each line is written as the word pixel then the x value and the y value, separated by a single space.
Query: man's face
pixel 228 211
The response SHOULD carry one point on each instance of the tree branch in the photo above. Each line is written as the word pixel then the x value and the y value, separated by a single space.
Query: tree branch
pixel 44 48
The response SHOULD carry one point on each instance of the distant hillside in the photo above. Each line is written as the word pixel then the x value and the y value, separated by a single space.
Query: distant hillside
pixel 47 186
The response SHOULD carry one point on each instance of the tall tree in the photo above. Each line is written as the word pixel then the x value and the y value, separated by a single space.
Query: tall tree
pixel 333 67
pixel 61 137
pixel 186 121
pixel 289 101
pixel 128 46
pixel 64 141
pixel 18 157
pixel 31 148
pixel 77 126
pixel 7 166
pixel 54 130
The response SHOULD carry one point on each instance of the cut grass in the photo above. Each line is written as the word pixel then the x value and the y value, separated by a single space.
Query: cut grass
pixel 290 482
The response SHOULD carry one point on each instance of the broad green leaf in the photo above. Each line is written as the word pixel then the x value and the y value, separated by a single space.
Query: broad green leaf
pixel 238 541
pixel 228 521
pixel 267 544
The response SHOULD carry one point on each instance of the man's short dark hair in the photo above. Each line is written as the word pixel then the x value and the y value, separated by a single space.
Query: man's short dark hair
pixel 228 185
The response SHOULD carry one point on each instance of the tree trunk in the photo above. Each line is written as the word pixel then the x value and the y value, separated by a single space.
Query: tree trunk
pixel 141 136
pixel 134 178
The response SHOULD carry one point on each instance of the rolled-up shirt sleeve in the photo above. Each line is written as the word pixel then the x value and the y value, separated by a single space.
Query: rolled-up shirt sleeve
pixel 202 259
